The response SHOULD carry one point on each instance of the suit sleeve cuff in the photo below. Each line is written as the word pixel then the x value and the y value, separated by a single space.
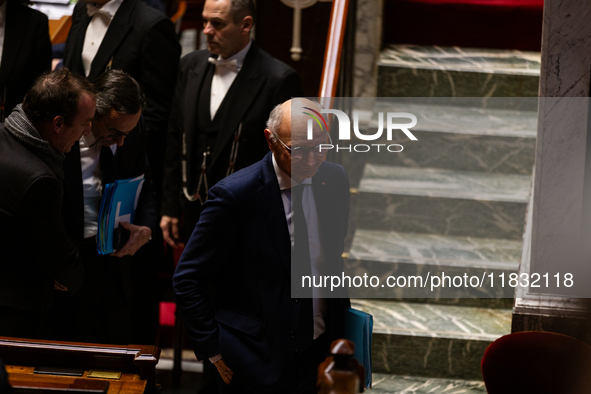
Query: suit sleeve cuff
pixel 215 358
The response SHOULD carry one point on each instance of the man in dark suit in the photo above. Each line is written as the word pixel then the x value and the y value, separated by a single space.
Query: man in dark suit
pixel 223 97
pixel 115 150
pixel 129 35
pixel 260 339
pixel 36 251
pixel 26 52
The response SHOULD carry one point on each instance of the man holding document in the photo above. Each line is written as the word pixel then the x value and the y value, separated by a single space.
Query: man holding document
pixel 114 151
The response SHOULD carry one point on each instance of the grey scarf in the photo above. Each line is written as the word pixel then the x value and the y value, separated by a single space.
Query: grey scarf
pixel 22 129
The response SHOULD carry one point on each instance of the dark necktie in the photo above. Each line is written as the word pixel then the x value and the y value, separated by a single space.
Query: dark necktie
pixel 302 266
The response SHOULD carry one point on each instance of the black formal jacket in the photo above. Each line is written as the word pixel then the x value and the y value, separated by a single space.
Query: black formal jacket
pixel 130 162
pixel 140 41
pixel 241 244
pixel 35 247
pixel 262 83
pixel 26 52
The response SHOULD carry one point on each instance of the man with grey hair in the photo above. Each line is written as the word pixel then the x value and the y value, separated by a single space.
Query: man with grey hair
pixel 260 339
pixel 223 97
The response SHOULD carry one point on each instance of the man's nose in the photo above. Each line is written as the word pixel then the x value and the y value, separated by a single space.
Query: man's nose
pixel 207 29
pixel 87 130
pixel 310 158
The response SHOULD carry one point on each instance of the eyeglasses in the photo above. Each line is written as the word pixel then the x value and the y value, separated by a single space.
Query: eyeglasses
pixel 114 133
pixel 299 152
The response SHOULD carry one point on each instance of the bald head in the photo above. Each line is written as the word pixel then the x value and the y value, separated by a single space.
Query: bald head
pixel 287 128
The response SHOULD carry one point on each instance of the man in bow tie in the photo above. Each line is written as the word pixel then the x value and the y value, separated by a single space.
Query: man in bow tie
pixel 223 97
pixel 130 36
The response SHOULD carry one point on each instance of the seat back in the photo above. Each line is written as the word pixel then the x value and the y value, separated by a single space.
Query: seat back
pixel 537 362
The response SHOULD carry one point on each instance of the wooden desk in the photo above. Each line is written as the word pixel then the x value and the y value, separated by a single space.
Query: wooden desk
pixel 23 378
pixel 136 362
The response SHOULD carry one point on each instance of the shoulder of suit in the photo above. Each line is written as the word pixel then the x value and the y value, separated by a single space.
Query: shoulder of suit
pixel 147 14
pixel 244 180
pixel 18 162
pixel 273 66
pixel 31 14
pixel 191 60
pixel 332 169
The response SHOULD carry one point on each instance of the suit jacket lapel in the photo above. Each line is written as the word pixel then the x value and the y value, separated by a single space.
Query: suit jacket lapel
pixel 194 84
pixel 116 32
pixel 74 56
pixel 248 83
pixel 15 28
pixel 272 204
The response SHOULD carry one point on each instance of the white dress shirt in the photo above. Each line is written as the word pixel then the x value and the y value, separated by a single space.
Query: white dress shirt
pixel 224 77
pixel 97 28
pixel 92 186
pixel 316 252
pixel 2 27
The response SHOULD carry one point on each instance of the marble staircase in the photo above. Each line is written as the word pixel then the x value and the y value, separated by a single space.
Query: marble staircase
pixel 454 201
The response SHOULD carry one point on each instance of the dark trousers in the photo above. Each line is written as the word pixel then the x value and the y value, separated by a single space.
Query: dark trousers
pixel 99 312
pixel 307 369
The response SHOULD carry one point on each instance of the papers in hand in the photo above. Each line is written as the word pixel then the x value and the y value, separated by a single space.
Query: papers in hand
pixel 118 204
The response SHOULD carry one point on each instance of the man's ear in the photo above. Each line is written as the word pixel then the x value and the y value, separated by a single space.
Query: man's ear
pixel 269 137
pixel 58 124
pixel 247 24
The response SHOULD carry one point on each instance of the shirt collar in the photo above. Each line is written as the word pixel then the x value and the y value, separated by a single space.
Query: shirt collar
pixel 87 140
pixel 238 56
pixel 111 7
pixel 285 182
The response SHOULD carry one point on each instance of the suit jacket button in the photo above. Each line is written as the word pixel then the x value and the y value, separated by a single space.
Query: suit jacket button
pixel 296 300
pixel 292 334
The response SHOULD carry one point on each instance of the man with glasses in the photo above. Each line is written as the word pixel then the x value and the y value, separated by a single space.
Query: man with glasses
pixel 114 150
pixel 261 228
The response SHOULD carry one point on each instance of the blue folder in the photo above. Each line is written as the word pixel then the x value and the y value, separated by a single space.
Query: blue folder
pixel 118 204
pixel 358 329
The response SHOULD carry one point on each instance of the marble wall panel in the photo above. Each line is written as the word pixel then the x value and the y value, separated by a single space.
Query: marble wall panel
pixel 463 152
pixel 368 41
pixel 407 82
pixel 427 356
pixel 392 384
pixel 444 216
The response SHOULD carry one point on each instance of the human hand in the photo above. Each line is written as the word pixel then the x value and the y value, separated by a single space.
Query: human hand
pixel 58 286
pixel 138 237
pixel 224 371
pixel 170 231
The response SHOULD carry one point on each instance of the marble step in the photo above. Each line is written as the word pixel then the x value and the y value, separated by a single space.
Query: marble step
pixel 398 384
pixel 462 138
pixel 390 253
pixel 436 341
pixel 432 71
pixel 435 201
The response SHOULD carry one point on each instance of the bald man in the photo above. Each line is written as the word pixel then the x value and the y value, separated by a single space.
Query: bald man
pixel 260 339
